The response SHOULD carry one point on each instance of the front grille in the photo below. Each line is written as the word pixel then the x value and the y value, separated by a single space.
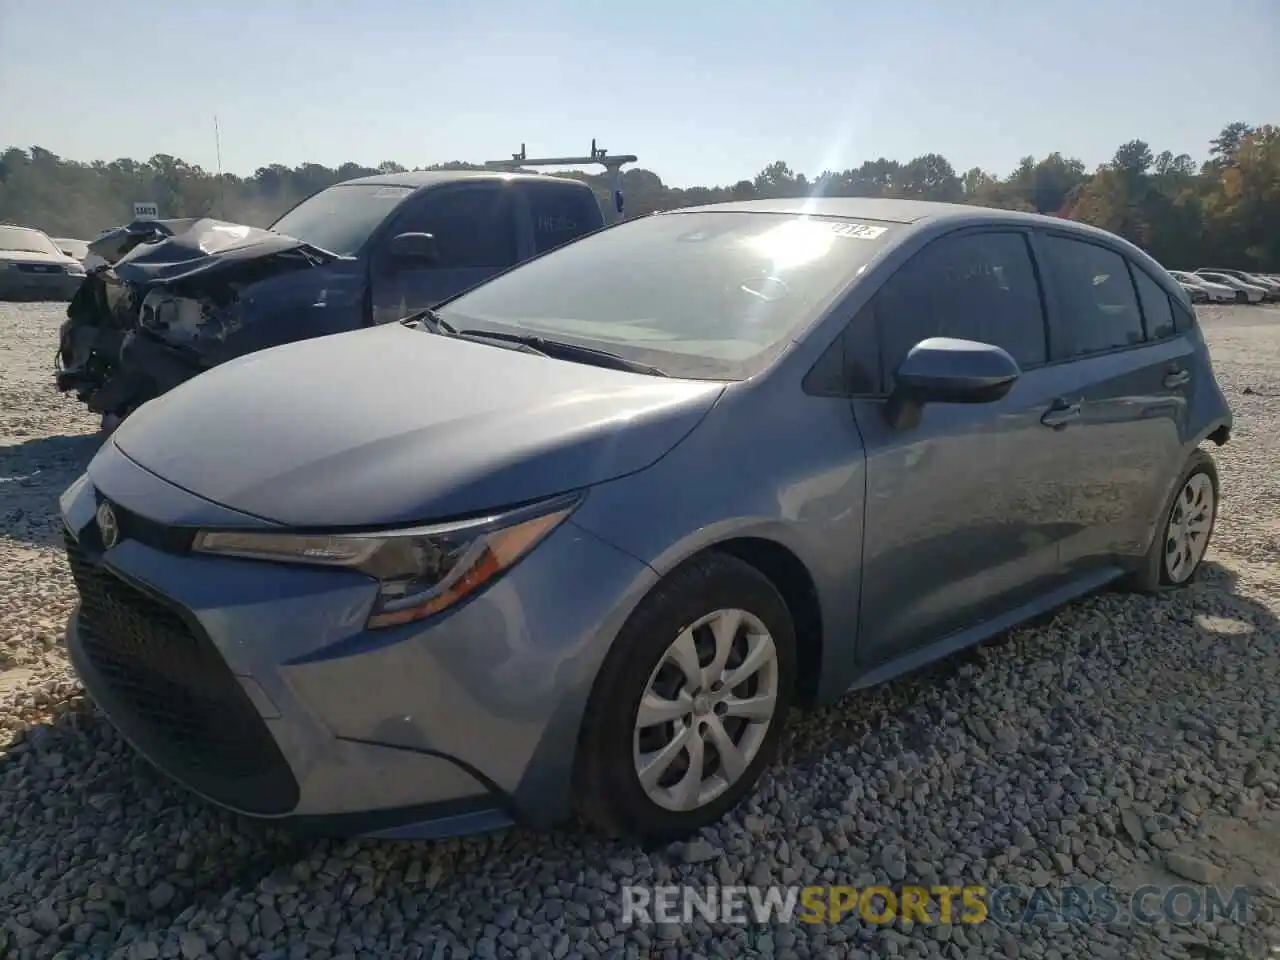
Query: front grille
pixel 167 688
pixel 41 268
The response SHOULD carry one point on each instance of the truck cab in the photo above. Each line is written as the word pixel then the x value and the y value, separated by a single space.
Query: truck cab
pixel 420 238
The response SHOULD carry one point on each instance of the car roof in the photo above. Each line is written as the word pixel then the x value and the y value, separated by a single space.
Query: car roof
pixel 915 214
pixel 431 178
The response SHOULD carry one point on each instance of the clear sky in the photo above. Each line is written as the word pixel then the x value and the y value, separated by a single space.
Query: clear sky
pixel 704 91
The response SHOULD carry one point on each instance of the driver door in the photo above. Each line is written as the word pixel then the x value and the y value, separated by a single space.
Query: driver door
pixel 476 236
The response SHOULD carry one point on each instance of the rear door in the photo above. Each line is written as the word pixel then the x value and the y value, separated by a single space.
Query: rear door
pixel 961 524
pixel 1124 410
pixel 476 236
pixel 557 212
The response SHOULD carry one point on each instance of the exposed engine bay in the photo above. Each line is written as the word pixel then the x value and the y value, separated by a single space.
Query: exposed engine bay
pixel 176 297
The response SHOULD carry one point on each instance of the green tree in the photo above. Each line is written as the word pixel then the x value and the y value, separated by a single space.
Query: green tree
pixel 1226 212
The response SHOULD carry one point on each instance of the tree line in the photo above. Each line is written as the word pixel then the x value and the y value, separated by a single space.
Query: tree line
pixel 1224 211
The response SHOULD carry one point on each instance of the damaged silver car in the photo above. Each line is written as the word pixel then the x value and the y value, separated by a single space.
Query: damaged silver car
pixel 177 297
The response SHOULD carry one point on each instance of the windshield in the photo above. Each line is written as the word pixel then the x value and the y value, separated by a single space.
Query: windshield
pixel 708 295
pixel 26 239
pixel 341 218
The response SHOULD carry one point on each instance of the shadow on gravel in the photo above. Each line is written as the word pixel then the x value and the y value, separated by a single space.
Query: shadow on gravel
pixel 33 474
pixel 147 854
pixel 910 712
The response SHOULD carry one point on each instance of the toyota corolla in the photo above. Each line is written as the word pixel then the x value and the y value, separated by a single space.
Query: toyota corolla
pixel 577 539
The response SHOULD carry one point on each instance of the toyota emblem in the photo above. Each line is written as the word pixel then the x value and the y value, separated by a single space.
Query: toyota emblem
pixel 108 526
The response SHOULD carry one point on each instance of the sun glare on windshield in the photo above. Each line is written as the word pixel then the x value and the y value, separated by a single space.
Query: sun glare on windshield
pixel 794 243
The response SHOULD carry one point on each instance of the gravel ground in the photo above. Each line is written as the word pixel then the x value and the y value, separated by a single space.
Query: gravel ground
pixel 1124 741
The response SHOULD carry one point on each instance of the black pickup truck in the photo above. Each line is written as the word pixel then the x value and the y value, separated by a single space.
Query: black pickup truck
pixel 180 296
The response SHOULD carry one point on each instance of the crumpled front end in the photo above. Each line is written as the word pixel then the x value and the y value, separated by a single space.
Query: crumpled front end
pixel 171 301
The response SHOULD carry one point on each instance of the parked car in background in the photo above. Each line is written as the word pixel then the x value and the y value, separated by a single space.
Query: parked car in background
pixel 559 544
pixel 1205 291
pixel 1248 292
pixel 1194 288
pixel 33 268
pixel 80 250
pixel 1253 279
pixel 1271 284
pixel 183 296
pixel 73 248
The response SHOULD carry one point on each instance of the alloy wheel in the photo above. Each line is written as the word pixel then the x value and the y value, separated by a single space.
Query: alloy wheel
pixel 706 710
pixel 1187 533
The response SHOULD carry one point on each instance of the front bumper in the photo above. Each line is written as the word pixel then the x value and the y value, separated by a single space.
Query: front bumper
pixel 19 285
pixel 256 685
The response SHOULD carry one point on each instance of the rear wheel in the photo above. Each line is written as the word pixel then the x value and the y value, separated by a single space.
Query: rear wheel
pixel 689 704
pixel 1186 527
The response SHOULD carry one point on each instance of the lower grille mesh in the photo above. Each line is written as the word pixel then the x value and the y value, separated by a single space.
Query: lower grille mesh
pixel 167 687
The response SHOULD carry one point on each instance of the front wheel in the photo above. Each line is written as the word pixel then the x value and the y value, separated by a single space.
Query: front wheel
pixel 689 704
pixel 1186 526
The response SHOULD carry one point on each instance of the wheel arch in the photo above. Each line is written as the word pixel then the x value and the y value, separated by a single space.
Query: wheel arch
pixel 791 578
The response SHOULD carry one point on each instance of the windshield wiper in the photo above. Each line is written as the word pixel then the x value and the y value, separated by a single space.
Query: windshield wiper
pixel 567 351
pixel 432 322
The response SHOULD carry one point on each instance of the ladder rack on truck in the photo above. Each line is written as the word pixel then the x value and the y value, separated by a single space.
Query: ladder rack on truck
pixel 612 164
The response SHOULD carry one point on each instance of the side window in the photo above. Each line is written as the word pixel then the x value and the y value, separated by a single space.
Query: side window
pixel 473 226
pixel 1157 309
pixel 559 214
pixel 850 367
pixel 1099 306
pixel 979 286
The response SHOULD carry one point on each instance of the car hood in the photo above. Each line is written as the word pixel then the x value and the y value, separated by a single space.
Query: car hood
pixel 396 425
pixel 196 248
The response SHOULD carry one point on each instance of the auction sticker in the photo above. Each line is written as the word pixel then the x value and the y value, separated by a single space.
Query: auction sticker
pixel 858 231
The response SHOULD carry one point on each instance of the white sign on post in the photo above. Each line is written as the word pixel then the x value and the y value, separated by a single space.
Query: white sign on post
pixel 145 211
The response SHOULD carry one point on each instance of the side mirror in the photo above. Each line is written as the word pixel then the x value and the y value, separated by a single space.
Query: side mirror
pixel 944 370
pixel 417 249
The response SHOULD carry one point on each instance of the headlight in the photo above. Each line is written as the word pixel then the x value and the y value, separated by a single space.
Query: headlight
pixel 420 571
pixel 75 269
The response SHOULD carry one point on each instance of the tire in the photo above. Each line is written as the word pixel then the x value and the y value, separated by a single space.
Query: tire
pixel 607 785
pixel 1156 574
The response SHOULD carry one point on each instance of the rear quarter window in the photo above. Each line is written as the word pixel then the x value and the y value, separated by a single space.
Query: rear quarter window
pixel 1157 308
pixel 560 214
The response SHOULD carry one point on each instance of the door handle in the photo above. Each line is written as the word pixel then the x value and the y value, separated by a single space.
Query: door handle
pixel 1060 414
pixel 1177 378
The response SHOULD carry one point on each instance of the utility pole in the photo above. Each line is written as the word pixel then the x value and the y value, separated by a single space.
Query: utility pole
pixel 222 186
pixel 599 156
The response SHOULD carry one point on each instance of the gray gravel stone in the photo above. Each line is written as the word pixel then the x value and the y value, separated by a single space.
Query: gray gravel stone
pixel 1193 868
